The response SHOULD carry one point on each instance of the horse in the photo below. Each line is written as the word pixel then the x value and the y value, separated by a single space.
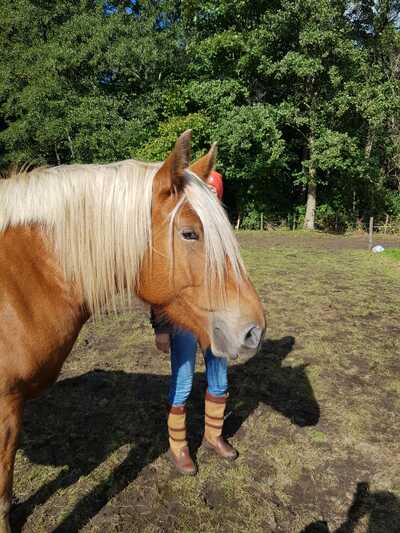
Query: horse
pixel 78 239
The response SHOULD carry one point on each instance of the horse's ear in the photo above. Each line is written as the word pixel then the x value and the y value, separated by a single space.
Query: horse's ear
pixel 203 166
pixel 170 175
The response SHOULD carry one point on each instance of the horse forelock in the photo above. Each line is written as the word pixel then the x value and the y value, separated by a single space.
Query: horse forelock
pixel 220 244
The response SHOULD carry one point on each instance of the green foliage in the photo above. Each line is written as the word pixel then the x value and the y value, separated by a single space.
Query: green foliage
pixel 393 203
pixel 251 217
pixel 251 145
pixel 294 91
pixel 158 148
pixel 335 151
pixel 75 80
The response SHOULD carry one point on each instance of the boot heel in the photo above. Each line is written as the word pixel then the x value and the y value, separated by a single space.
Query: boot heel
pixel 182 462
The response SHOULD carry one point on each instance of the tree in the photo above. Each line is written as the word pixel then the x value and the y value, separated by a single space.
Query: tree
pixel 376 97
pixel 76 79
pixel 302 95
pixel 305 62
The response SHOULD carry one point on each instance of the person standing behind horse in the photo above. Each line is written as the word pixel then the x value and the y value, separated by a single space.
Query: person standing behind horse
pixel 182 346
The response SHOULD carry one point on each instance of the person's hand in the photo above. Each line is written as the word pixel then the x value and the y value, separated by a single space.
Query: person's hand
pixel 163 342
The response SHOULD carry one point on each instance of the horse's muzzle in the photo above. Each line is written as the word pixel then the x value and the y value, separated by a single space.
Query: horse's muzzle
pixel 232 342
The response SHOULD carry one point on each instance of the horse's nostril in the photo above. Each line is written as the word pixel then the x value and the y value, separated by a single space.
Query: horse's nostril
pixel 252 337
pixel 249 334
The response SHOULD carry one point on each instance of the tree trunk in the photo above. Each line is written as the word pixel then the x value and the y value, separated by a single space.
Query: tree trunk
pixel 57 155
pixel 309 220
pixel 71 147
pixel 237 226
pixel 369 144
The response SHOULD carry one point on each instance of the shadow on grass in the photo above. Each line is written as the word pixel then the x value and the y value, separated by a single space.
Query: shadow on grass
pixel 382 509
pixel 83 420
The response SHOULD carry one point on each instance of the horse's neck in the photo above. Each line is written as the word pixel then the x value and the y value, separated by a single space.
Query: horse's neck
pixel 29 253
pixel 41 313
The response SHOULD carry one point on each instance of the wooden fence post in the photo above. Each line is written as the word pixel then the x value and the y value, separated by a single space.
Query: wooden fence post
pixel 262 221
pixel 237 222
pixel 371 231
pixel 386 223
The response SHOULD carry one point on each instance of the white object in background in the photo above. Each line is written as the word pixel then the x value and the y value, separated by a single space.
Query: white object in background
pixel 378 248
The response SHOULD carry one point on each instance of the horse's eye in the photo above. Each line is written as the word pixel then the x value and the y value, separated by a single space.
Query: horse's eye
pixel 189 235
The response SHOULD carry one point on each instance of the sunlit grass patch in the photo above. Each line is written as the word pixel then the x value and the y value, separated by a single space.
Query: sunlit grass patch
pixel 393 253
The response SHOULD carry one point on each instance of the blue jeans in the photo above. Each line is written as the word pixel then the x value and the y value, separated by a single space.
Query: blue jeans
pixel 183 360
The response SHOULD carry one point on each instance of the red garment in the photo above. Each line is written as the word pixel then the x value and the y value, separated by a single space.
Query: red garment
pixel 215 180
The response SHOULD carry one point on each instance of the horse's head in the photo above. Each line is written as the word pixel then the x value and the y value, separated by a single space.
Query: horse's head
pixel 193 272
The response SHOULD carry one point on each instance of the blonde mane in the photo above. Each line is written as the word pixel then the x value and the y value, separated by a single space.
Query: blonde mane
pixel 99 220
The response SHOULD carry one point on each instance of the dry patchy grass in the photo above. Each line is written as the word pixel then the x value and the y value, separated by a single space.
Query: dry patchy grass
pixel 314 415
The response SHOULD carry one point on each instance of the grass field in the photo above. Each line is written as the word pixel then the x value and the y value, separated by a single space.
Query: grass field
pixel 315 415
pixel 393 253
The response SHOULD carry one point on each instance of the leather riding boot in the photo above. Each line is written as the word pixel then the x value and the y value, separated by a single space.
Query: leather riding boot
pixel 214 421
pixel 178 446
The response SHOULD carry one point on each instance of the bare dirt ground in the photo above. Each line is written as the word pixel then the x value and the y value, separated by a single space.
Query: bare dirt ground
pixel 315 415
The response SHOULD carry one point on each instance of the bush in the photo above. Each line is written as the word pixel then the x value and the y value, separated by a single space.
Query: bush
pixel 251 220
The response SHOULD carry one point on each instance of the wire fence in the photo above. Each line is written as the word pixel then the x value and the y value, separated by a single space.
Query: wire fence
pixel 392 228
pixel 385 226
